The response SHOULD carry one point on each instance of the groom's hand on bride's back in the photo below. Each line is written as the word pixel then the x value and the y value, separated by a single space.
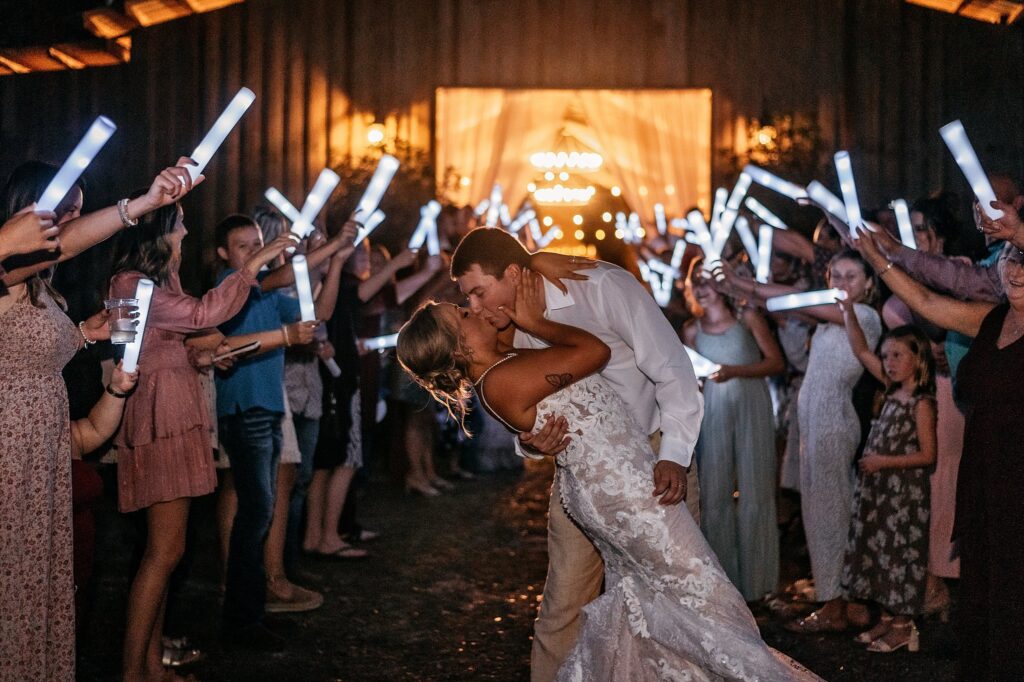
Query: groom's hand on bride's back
pixel 669 482
pixel 549 440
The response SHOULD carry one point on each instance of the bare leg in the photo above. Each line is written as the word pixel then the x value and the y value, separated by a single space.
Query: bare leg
pixel 227 506
pixel 315 501
pixel 273 548
pixel 337 490
pixel 165 545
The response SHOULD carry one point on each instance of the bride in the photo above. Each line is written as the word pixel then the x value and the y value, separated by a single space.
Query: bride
pixel 668 611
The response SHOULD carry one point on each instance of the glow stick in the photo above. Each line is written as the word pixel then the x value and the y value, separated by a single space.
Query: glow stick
pixel 820 195
pixel 804 299
pixel 81 156
pixel 307 309
pixel 635 227
pixel 723 226
pixel 677 254
pixel 764 253
pixel 679 224
pixel 775 183
pixel 700 229
pixel 956 139
pixel 386 168
pixel 899 207
pixel 281 203
pixel 315 201
pixel 521 220
pixel 659 218
pixel 481 207
pixel 747 237
pixel 504 215
pixel 663 268
pixel 380 342
pixel 375 219
pixel 493 206
pixel 762 212
pixel 721 197
pixel 144 294
pixel 542 240
pixel 845 172
pixel 332 367
pixel 426 231
pixel 702 367
pixel 222 127
pixel 623 226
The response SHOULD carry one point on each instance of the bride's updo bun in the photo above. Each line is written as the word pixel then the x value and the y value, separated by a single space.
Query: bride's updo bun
pixel 428 350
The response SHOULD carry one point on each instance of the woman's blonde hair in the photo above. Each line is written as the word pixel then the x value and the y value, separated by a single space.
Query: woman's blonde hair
pixel 430 351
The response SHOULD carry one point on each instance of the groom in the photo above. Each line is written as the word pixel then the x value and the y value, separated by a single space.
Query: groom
pixel 648 368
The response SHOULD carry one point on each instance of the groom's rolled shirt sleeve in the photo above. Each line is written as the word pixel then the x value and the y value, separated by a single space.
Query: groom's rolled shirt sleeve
pixel 632 313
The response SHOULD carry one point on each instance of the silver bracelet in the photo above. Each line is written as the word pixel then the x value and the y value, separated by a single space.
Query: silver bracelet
pixel 122 211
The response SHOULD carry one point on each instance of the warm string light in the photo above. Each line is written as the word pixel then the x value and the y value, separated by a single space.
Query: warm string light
pixel 585 161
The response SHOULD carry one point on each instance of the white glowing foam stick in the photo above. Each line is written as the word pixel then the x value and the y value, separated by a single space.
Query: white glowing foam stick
pixel 307 309
pixel 521 220
pixel 956 139
pixel 677 254
pixel 375 219
pixel 542 240
pixel 679 224
pixel 659 218
pixel 747 237
pixel 380 342
pixel 820 195
pixel 504 215
pixel 281 203
pixel 775 183
pixel 426 231
pixel 636 227
pixel 315 201
pixel 702 367
pixel 762 212
pixel 481 207
pixel 662 267
pixel 764 253
pixel 723 226
pixel 493 206
pixel 81 156
pixel 623 226
pixel 804 299
pixel 386 168
pixel 899 207
pixel 222 127
pixel 704 241
pixel 721 197
pixel 849 188
pixel 144 294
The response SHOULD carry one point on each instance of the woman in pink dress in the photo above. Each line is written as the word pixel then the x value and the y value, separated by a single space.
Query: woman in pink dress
pixel 164 455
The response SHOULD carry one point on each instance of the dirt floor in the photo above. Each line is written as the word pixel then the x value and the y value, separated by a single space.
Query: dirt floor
pixel 450 593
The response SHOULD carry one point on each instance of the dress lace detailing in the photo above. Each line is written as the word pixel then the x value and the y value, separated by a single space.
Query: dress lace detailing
pixel 668 612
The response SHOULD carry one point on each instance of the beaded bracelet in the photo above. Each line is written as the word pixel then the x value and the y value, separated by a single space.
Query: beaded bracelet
pixel 122 211
pixel 81 329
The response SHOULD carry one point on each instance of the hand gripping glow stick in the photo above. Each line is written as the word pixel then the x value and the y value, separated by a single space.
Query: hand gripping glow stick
pixel 820 195
pixel 747 237
pixel 380 342
pixel 852 204
pixel 81 156
pixel 659 218
pixel 899 207
pixel 307 309
pixel 804 299
pixel 426 231
pixel 762 212
pixel 956 139
pixel 775 183
pixel 493 206
pixel 764 253
pixel 222 127
pixel 386 168
pixel 375 219
pixel 144 294
pixel 702 367
pixel 521 220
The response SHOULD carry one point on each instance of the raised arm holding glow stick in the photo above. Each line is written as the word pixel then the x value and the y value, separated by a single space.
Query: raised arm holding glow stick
pixel 144 295
pixel 222 127
pixel 81 156
pixel 956 139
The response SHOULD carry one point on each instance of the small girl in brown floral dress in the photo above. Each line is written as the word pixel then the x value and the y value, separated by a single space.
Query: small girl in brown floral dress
pixel 887 553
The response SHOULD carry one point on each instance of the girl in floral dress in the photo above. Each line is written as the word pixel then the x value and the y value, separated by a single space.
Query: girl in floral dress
pixel 887 554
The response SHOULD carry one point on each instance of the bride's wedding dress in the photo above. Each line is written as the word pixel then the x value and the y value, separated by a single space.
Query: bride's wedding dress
pixel 668 611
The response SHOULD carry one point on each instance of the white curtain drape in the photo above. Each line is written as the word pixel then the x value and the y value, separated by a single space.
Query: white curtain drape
pixel 656 144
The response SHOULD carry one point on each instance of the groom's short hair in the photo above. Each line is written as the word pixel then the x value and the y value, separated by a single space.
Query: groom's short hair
pixel 492 248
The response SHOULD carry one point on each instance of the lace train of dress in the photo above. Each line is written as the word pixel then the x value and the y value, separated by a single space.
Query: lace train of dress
pixel 669 612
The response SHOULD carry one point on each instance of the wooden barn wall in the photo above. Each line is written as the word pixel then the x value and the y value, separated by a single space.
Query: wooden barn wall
pixel 879 76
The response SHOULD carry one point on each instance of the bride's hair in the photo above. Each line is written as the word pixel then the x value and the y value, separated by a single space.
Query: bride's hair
pixel 430 351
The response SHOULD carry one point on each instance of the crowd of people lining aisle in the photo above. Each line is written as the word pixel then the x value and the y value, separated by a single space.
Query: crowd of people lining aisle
pixel 892 414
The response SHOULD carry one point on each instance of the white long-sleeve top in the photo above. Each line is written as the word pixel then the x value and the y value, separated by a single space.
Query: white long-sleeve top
pixel 649 367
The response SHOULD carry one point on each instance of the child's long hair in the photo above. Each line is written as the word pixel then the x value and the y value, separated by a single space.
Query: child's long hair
pixel 924 368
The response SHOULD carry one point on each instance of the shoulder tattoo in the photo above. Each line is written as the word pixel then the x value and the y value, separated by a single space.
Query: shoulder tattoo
pixel 559 380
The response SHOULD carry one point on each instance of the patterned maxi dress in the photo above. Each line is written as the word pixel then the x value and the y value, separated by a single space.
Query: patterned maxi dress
pixel 37 620
pixel 887 555
pixel 668 612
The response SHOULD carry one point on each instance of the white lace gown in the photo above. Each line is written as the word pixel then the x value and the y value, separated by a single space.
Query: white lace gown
pixel 668 612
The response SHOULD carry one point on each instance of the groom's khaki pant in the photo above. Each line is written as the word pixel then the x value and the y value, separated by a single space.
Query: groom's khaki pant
pixel 575 574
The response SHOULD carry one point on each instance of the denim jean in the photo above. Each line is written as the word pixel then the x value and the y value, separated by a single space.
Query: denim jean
pixel 253 442
pixel 306 431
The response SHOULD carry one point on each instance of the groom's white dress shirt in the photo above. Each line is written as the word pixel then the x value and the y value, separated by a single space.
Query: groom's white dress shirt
pixel 649 367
